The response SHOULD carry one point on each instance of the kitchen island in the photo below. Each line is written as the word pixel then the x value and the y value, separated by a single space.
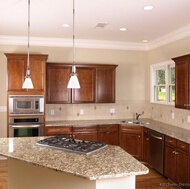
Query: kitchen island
pixel 31 166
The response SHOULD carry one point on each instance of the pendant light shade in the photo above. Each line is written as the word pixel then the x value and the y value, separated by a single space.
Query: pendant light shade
pixel 73 82
pixel 28 82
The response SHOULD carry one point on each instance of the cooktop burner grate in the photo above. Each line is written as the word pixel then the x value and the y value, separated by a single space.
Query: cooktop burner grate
pixel 72 145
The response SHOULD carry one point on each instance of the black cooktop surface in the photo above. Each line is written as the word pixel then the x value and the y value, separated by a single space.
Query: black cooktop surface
pixel 72 145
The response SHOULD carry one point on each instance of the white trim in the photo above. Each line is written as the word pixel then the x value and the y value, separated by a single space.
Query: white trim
pixel 163 65
pixel 99 44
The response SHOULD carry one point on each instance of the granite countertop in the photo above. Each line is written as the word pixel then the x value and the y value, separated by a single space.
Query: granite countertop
pixel 167 129
pixel 109 162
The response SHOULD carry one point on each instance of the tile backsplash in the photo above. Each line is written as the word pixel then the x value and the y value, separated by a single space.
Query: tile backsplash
pixel 119 110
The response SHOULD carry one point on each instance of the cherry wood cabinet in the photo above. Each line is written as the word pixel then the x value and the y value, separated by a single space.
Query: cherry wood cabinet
pixel 97 83
pixel 58 130
pixel 57 78
pixel 182 82
pixel 86 93
pixel 131 140
pixel 177 161
pixel 16 68
pixel 105 84
pixel 146 144
pixel 87 132
pixel 109 134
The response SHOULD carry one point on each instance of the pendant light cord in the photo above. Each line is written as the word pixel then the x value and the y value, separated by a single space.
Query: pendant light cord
pixel 28 57
pixel 74 69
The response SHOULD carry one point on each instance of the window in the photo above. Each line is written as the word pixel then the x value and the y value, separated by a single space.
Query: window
pixel 163 82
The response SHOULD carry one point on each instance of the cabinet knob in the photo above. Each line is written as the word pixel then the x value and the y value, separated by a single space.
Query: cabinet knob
pixel 174 152
pixel 147 138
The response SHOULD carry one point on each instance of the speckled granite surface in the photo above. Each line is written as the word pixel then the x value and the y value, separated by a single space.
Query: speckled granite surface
pixel 109 162
pixel 170 130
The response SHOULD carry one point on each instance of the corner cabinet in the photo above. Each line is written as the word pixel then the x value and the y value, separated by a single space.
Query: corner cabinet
pixel 16 68
pixel 182 81
pixel 97 83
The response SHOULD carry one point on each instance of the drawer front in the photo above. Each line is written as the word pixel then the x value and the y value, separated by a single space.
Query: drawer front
pixel 183 146
pixel 130 129
pixel 58 130
pixel 86 128
pixel 170 141
pixel 107 128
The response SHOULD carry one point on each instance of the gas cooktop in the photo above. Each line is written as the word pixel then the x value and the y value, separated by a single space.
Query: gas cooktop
pixel 72 145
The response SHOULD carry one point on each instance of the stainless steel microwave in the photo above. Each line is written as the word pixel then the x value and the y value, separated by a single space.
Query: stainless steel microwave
pixel 26 104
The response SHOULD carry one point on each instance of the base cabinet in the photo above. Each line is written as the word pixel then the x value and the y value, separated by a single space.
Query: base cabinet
pixel 131 140
pixel 108 134
pixel 177 162
pixel 146 145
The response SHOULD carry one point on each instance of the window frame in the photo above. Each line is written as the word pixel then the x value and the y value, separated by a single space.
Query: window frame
pixel 153 68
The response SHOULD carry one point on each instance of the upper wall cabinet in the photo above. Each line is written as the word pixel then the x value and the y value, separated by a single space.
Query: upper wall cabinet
pixel 97 83
pixel 182 82
pixel 16 68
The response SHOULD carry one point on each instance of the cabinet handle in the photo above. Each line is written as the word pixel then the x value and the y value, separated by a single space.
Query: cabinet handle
pixel 139 136
pixel 182 146
pixel 176 153
pixel 147 138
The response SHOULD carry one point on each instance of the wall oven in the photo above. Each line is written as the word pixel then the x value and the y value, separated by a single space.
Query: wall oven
pixel 26 105
pixel 26 126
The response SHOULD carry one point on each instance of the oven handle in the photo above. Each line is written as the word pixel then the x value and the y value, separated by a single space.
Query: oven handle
pixel 26 126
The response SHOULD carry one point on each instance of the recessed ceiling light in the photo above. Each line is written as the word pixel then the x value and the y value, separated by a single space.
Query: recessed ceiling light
pixel 65 25
pixel 149 7
pixel 123 29
pixel 145 41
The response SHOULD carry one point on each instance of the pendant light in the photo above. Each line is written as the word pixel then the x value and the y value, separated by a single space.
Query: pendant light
pixel 73 82
pixel 28 82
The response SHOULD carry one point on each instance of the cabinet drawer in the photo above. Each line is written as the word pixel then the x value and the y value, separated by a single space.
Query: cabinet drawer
pixel 170 141
pixel 130 129
pixel 107 128
pixel 58 130
pixel 86 128
pixel 183 146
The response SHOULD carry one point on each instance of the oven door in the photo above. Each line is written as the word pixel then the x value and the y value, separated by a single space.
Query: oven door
pixel 26 130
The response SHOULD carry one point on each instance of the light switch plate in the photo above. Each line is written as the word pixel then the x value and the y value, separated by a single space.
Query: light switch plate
pixel 52 112
pixel 81 111
pixel 173 115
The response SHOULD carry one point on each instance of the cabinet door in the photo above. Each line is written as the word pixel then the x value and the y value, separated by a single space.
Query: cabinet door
pixel 105 85
pixel 86 93
pixel 57 79
pixel 181 83
pixel 38 71
pixel 146 145
pixel 182 168
pixel 170 163
pixel 16 67
pixel 108 134
pixel 131 140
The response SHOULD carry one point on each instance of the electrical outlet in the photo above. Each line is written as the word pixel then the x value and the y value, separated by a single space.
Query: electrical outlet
pixel 188 118
pixel 52 112
pixel 173 115
pixel 112 110
pixel 81 111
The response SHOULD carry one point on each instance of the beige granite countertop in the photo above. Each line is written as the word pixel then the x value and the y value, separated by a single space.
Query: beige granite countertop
pixel 167 129
pixel 109 162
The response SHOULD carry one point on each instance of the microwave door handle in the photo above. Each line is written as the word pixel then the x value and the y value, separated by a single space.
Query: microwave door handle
pixel 25 126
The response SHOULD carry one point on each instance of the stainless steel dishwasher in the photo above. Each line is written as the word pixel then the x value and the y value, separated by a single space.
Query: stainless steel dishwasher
pixel 157 141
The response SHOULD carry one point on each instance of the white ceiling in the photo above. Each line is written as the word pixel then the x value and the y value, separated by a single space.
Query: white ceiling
pixel 168 21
